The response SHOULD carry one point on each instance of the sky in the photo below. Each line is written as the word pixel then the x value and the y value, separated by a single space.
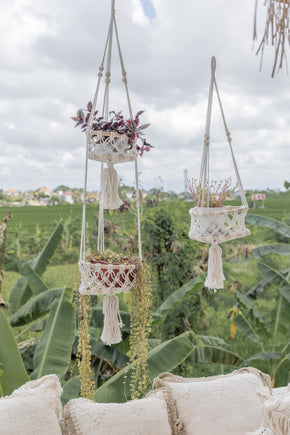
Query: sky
pixel 50 53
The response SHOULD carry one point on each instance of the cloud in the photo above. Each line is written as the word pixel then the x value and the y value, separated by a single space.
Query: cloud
pixel 50 54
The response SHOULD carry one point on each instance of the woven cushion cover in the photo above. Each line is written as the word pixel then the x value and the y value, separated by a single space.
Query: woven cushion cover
pixel 32 409
pixel 276 413
pixel 137 417
pixel 223 405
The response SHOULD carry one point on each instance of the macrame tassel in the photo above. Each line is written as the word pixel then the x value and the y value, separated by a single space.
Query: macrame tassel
pixel 112 320
pixel 215 276
pixel 109 188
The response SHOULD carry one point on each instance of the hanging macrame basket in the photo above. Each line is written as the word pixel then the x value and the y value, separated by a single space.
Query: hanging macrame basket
pixel 99 277
pixel 110 147
pixel 218 224
pixel 215 225
pixel 102 278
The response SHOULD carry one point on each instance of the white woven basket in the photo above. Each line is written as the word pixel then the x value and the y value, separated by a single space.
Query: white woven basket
pixel 218 224
pixel 106 279
pixel 110 147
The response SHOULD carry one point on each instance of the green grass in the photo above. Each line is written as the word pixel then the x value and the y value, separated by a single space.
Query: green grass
pixel 54 276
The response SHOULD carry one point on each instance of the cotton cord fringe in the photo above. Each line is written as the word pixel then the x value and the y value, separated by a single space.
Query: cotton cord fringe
pixel 112 320
pixel 215 276
pixel 109 188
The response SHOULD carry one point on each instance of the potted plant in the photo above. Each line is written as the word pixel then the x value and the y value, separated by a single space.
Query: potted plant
pixel 112 140
pixel 211 220
pixel 214 222
pixel 108 273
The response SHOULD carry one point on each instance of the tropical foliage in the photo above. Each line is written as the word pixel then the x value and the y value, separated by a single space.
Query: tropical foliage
pixel 270 330
pixel 188 322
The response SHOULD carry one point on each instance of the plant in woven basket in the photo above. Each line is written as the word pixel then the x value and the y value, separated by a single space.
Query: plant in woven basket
pixel 108 273
pixel 213 194
pixel 116 123
pixel 141 319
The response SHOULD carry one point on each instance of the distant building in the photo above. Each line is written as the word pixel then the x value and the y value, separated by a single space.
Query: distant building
pixel 13 193
pixel 68 196
pixel 46 190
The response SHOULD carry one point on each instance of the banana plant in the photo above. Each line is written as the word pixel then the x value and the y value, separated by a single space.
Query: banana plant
pixel 30 283
pixel 12 370
pixel 52 353
pixel 270 332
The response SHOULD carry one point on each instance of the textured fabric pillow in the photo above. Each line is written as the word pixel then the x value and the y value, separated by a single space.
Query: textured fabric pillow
pixel 32 409
pixel 276 413
pixel 261 431
pixel 137 417
pixel 280 391
pixel 224 405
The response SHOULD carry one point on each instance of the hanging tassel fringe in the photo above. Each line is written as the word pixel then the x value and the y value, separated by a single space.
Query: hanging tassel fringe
pixel 109 188
pixel 112 320
pixel 215 276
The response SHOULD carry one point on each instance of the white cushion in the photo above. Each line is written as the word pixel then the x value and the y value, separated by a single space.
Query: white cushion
pixel 137 417
pixel 32 409
pixel 224 405
pixel 280 391
pixel 277 414
pixel 261 431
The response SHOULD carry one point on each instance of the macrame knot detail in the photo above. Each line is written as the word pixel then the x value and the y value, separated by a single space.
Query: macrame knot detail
pixel 112 320
pixel 215 276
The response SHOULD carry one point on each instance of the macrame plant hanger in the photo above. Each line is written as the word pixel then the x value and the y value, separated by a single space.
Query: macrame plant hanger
pixel 215 225
pixel 277 30
pixel 108 148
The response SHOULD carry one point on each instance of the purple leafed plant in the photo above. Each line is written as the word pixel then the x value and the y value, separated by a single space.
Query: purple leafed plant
pixel 117 123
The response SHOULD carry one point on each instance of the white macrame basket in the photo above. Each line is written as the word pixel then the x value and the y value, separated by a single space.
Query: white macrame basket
pixel 110 147
pixel 106 279
pixel 218 224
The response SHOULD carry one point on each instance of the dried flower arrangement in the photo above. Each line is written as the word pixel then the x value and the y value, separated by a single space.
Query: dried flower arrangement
pixel 214 194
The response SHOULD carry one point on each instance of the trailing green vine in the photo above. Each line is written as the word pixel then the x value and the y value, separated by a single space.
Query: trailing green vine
pixel 141 319
pixel 84 349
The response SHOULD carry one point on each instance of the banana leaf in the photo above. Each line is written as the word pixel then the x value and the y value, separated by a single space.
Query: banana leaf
pixel 245 326
pixel 279 321
pixel 34 281
pixel 277 248
pixel 175 299
pixel 214 354
pixel 162 358
pixel 35 307
pixel 21 292
pixel 263 221
pixel 254 315
pixel 12 373
pixel 41 261
pixel 71 390
pixel 53 351
pixel 264 356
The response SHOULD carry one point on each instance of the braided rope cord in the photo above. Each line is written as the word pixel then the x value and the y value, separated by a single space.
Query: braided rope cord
pixel 204 171
pixel 217 224
pixel 108 144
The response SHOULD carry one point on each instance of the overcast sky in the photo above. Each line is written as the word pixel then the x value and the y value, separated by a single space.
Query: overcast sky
pixel 50 52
